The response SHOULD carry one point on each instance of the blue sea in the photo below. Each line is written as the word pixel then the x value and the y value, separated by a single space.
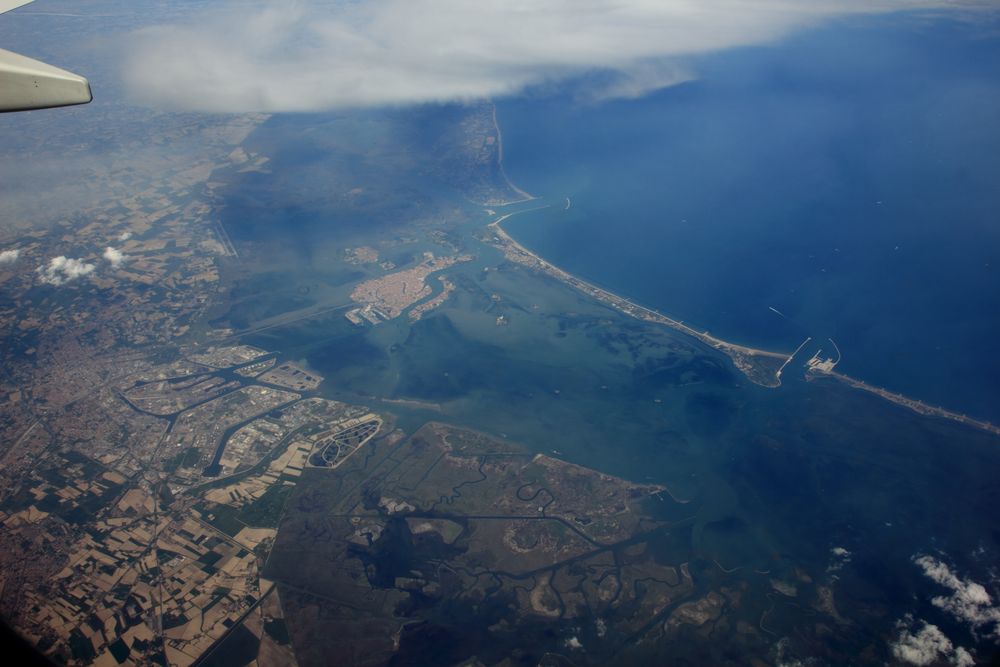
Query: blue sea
pixel 847 177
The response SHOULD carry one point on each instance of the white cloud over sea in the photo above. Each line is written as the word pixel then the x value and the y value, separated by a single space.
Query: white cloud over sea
pixel 313 55
pixel 9 256
pixel 61 270
pixel 966 600
pixel 921 643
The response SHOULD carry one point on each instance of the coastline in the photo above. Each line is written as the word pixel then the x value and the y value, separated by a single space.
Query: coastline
pixel 911 404
pixel 761 367
pixel 525 196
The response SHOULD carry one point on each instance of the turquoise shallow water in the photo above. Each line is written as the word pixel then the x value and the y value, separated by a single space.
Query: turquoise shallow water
pixel 846 177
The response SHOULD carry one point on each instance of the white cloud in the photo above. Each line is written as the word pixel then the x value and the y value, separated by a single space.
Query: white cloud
pixel 841 557
pixel 968 601
pixel 62 269
pixel 927 645
pixel 114 256
pixel 316 55
pixel 9 256
pixel 125 236
pixel 963 658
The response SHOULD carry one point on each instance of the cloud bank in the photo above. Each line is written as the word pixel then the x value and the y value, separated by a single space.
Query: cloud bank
pixel 9 256
pixel 322 54
pixel 967 600
pixel 61 270
pixel 927 645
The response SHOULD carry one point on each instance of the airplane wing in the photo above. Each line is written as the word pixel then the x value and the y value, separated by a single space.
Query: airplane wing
pixel 7 5
pixel 31 84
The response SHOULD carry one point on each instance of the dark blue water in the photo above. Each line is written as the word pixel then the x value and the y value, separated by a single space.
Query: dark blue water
pixel 848 177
